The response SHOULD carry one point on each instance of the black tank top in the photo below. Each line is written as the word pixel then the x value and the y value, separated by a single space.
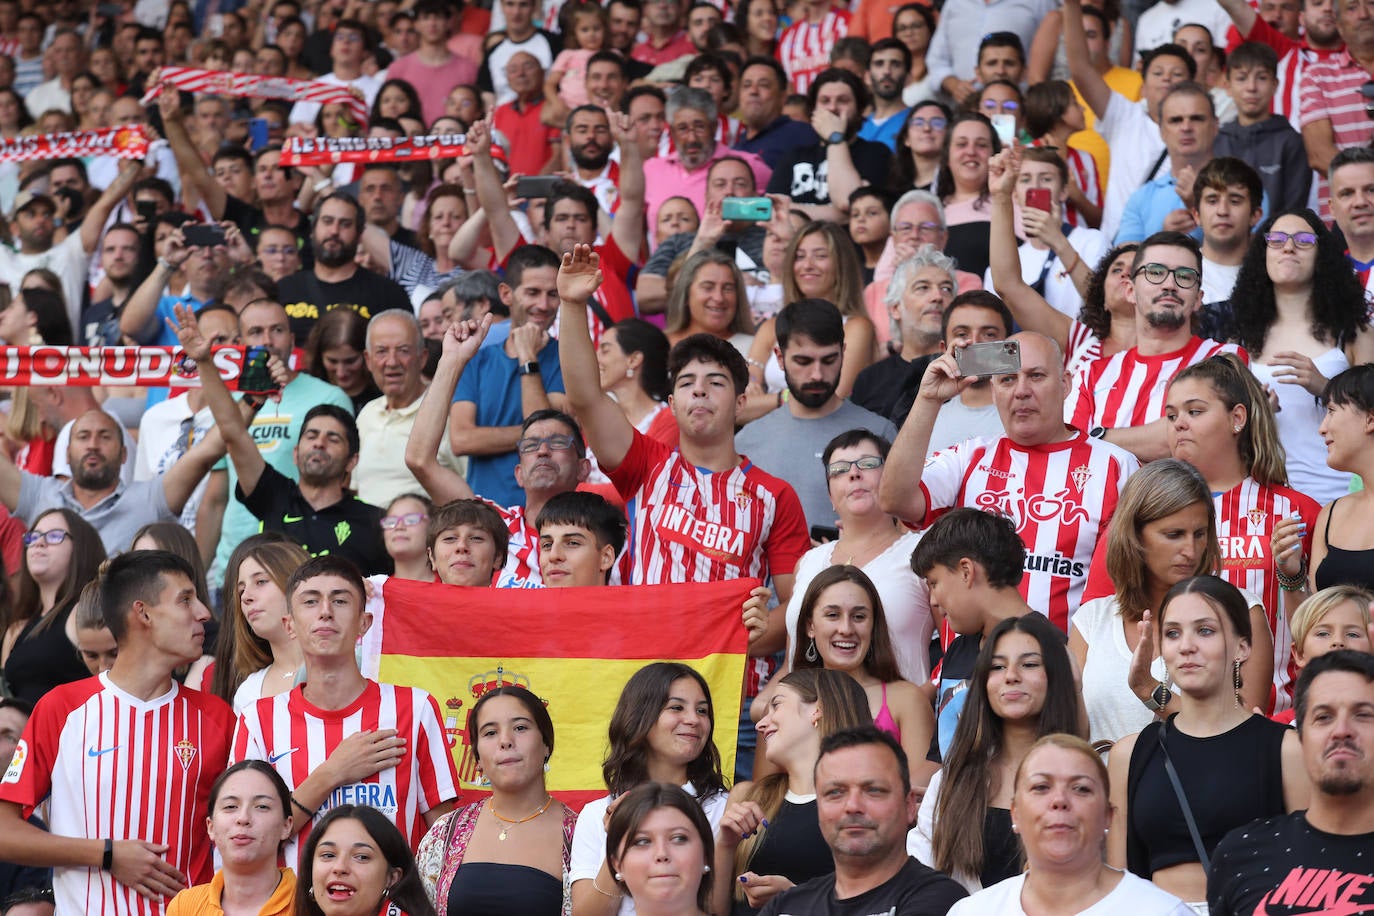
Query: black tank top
pixel 1341 566
pixel 493 889
pixel 44 659
pixel 792 846
pixel 1001 851
pixel 1229 780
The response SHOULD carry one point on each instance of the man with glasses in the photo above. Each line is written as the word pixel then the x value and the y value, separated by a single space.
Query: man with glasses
pixel 888 67
pixel 787 442
pixel 1120 399
pixel 395 356
pixel 319 512
pixel 1057 484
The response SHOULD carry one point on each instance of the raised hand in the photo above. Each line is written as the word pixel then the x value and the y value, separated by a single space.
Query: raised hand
pixel 479 137
pixel 1286 545
pixel 463 338
pixel 580 275
pixel 1003 171
pixel 1140 676
pixel 943 380
pixel 187 330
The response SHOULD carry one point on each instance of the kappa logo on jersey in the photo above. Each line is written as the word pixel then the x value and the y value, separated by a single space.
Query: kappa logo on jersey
pixel 186 752
pixel 1038 507
pixel 372 794
pixel 16 768
pixel 1324 890
pixel 719 542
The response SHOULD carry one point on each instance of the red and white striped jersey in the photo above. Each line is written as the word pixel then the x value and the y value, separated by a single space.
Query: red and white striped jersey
pixel 1129 389
pixel 1061 497
pixel 1364 271
pixel 1084 348
pixel 1246 516
pixel 1083 171
pixel 295 737
pixel 804 49
pixel 117 767
pixel 522 555
pixel 1288 96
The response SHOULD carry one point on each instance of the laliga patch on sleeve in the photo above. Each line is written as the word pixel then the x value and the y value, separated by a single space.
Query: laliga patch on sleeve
pixel 21 755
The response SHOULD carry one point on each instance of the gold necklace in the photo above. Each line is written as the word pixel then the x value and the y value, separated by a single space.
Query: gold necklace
pixel 548 800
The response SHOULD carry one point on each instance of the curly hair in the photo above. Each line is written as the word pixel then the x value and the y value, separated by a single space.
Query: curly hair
pixel 1336 304
pixel 1093 312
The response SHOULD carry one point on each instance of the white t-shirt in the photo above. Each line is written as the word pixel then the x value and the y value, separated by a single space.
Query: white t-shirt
pixel 163 439
pixel 589 839
pixel 1297 420
pixel 905 596
pixel 1157 25
pixel 1132 895
pixel 1218 280
pixel 1136 147
pixel 67 259
pixel 369 86
pixel 1059 292
pixel 920 840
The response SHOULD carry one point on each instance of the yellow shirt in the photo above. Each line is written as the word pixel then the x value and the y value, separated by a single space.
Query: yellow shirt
pixel 203 899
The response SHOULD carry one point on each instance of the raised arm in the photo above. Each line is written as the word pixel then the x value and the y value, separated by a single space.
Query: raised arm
pixel 628 227
pixel 1090 83
pixel 1241 13
pixel 94 223
pixel 461 342
pixel 900 492
pixel 505 234
pixel 1030 309
pixel 139 319
pixel 605 425
pixel 194 176
pixel 243 451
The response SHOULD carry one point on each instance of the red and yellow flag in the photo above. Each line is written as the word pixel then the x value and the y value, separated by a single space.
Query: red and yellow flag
pixel 574 648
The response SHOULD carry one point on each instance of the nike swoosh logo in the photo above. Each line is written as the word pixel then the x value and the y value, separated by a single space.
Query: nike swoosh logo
pixel 288 519
pixel 273 758
pixel 92 752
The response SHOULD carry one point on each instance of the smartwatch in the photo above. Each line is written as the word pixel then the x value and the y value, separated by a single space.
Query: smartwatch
pixel 1158 698
pixel 1098 432
pixel 529 368
pixel 836 138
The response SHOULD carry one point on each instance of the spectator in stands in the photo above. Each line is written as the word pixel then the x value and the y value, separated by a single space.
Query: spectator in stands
pixel 1023 688
pixel 349 47
pixel 431 68
pixel 1348 400
pixel 1228 202
pixel 810 343
pixel 1167 274
pixel 151 607
pixel 1257 863
pixel 887 75
pixel 1163 532
pixel 1352 207
pixel 335 351
pixel 520 120
pixel 962 186
pixel 1030 403
pixel 1264 140
pixel 62 552
pixel 1329 122
pixel 391 876
pixel 403 531
pixel 1053 114
pixel 580 537
pixel 658 696
pixel 821 177
pixel 807 45
pixel 763 86
pixel 1300 333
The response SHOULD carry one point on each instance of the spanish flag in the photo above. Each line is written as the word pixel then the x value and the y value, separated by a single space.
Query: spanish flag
pixel 574 648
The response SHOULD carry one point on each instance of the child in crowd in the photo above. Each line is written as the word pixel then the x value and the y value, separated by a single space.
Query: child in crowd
pixel 1334 618
pixel 1259 137
pixel 584 28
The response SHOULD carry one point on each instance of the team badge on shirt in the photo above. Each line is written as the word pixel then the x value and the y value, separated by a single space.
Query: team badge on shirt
pixel 186 752
pixel 1256 517
pixel 16 769
pixel 1081 475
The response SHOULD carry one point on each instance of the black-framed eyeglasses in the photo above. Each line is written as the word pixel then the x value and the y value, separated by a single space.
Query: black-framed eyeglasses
pixel 1185 277
pixel 559 442
pixel 403 521
pixel 1300 239
pixel 841 468
pixel 51 538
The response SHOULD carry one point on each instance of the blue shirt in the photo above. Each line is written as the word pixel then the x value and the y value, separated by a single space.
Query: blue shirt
pixel 166 337
pixel 782 135
pixel 1150 204
pixel 884 131
pixel 492 382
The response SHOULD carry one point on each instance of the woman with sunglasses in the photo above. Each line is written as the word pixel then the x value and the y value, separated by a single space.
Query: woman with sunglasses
pixel 1300 333
pixel 403 532
pixel 62 552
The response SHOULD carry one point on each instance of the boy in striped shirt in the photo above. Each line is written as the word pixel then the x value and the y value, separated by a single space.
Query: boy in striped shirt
pixel 127 758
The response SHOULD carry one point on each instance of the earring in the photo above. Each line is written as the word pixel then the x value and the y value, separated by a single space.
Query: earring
pixel 546 766
pixel 1235 668
pixel 811 653
pixel 1015 829
pixel 618 877
pixel 386 891
pixel 310 892
pixel 705 869
pixel 629 373
pixel 1235 429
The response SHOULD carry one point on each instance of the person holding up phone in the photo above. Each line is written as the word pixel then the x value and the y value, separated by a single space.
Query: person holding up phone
pixel 1039 454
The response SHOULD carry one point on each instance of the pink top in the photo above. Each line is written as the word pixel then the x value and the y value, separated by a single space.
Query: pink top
pixel 884 721
pixel 572 88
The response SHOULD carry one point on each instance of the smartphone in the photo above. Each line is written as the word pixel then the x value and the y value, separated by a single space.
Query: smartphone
pixel 824 533
pixel 1038 199
pixel 531 187
pixel 109 10
pixel 747 209
pixel 203 235
pixel 257 134
pixel 146 209
pixel 1005 125
pixel 255 378
pixel 998 357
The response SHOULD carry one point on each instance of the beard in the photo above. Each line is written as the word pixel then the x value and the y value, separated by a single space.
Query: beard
pixel 812 396
pixel 1339 784
pixel 334 253
pixel 887 90
pixel 1165 319
pixel 102 477
pixel 591 163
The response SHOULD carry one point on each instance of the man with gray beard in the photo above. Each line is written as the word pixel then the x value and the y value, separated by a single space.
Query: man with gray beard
pixel 336 280
pixel 95 492
pixel 1121 398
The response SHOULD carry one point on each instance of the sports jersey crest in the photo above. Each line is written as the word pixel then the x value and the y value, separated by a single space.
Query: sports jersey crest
pixel 1081 475
pixel 186 752
pixel 1256 517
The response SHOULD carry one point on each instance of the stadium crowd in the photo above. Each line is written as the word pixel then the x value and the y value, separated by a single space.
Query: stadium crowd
pixel 1021 350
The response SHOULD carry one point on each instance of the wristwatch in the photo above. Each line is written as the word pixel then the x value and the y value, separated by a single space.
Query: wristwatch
pixel 836 138
pixel 1158 698
pixel 529 368
pixel 1098 432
